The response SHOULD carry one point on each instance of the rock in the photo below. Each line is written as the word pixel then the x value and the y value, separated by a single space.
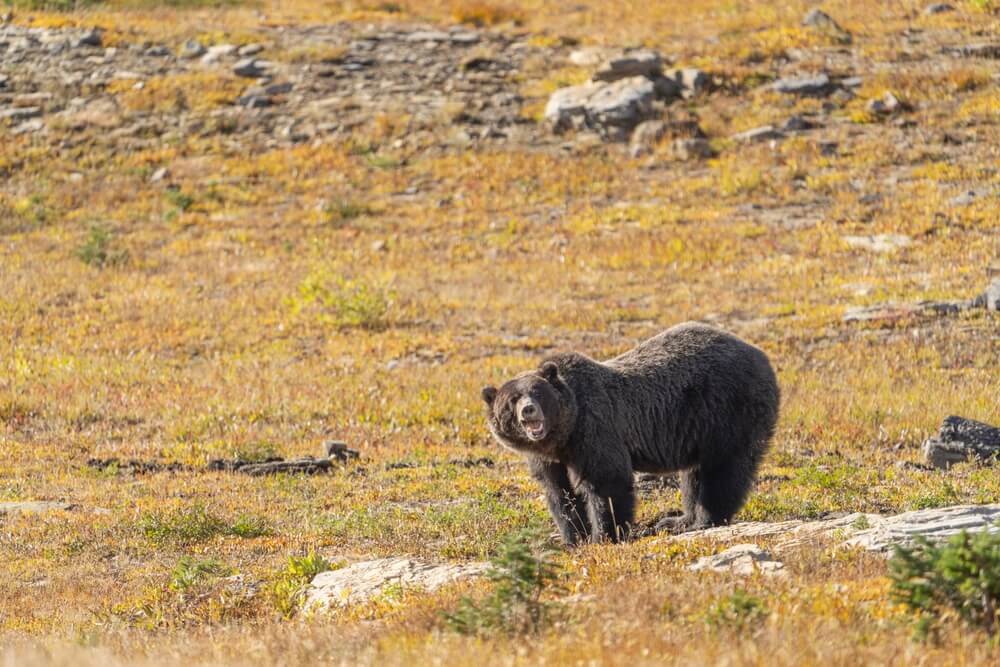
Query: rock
pixel 667 89
pixel 428 36
pixel 3 81
pixel 191 49
pixel 254 101
pixel 990 299
pixel 879 242
pixel 612 109
pixel 363 581
pixel 824 23
pixel 797 124
pixel 249 50
pixel 692 149
pixel 886 105
pixel 645 137
pixel 158 51
pixel 759 134
pixel 964 199
pixel 216 53
pixel 34 507
pixel 31 99
pixel 336 449
pixel 159 175
pixel 890 312
pixel 91 37
pixel 984 50
pixel 464 38
pixel 28 126
pixel 692 81
pixel 741 559
pixel 590 56
pixel 938 8
pixel 629 64
pixel 960 439
pixel 17 115
pixel 871 532
pixel 250 68
pixel 814 86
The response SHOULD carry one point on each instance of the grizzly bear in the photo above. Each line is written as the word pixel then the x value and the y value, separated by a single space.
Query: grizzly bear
pixel 692 399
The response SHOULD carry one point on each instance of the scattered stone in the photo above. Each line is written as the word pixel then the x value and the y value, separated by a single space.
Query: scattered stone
pixel 158 51
pixel 798 124
pixel 959 440
pixel 254 101
pixel 216 53
pixel 964 199
pixel 465 38
pixel 337 449
pixel 886 105
pixel 29 126
pixel 134 466
pixel 34 507
pixel 872 532
pixel 667 89
pixel 759 134
pixel 938 8
pixel 879 242
pixel 428 36
pixel 3 81
pixel 611 109
pixel 824 23
pixel 159 175
pixel 742 560
pixel 590 56
pixel 990 299
pixel 852 82
pixel 363 581
pixel 31 99
pixel 811 86
pixel 192 49
pixel 250 68
pixel 18 114
pixel 985 50
pixel 91 37
pixel 629 64
pixel 692 81
pixel 249 50
pixel 692 149
pixel 646 136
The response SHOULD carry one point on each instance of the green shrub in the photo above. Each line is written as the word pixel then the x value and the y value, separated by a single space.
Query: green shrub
pixel 343 303
pixel 98 249
pixel 290 583
pixel 739 610
pixel 197 524
pixel 959 578
pixel 521 572
pixel 190 571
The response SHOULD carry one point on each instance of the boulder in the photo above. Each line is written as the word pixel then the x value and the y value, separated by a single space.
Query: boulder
pixel 818 85
pixel 741 559
pixel 630 64
pixel 363 581
pixel 611 109
pixel 960 439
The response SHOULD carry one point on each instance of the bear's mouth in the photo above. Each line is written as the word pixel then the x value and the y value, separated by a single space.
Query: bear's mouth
pixel 535 430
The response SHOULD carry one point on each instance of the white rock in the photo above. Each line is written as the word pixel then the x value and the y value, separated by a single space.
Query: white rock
pixel 741 559
pixel 759 134
pixel 629 64
pixel 613 109
pixel 217 52
pixel 589 56
pixel 365 580
pixel 33 507
pixel 879 242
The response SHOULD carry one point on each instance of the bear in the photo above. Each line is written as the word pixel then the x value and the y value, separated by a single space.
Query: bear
pixel 693 399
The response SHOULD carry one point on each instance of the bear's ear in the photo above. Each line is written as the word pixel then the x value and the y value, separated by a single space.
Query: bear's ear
pixel 489 395
pixel 549 371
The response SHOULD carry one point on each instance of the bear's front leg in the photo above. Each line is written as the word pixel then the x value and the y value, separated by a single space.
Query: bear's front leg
pixel 567 509
pixel 610 498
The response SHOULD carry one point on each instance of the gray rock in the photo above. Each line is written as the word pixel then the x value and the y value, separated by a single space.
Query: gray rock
pixel 464 38
pixel 19 114
pixel 29 126
pixel 216 53
pixel 797 124
pixel 960 439
pixel 990 299
pixel 159 175
pixel 742 560
pixel 823 22
pixel 34 507
pixel 938 8
pixel 3 81
pixel 250 68
pixel 852 82
pixel 428 36
pixel 692 149
pixel 886 105
pixel 964 199
pixel 254 101
pixel 645 137
pixel 759 134
pixel 157 51
pixel 612 109
pixel 31 99
pixel 984 50
pixel 192 49
pixel 878 242
pixel 249 50
pixel 817 85
pixel 629 64
pixel 590 56
pixel 363 581
pixel 691 80
pixel 89 38
pixel 667 89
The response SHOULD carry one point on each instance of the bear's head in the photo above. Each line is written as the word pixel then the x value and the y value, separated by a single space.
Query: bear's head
pixel 534 412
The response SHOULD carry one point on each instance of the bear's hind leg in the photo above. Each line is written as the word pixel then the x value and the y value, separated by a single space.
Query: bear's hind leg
pixel 722 491
pixel 690 490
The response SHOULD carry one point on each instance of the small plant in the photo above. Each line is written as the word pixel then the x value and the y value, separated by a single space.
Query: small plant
pixel 179 199
pixel 959 578
pixel 291 582
pixel 190 571
pixel 739 610
pixel 342 210
pixel 197 524
pixel 342 302
pixel 482 14
pixel 249 526
pixel 97 249
pixel 521 572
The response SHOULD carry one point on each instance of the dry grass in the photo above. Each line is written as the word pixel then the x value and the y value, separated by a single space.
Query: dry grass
pixel 274 299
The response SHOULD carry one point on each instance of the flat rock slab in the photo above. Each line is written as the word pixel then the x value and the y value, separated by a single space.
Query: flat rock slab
pixel 363 581
pixel 613 109
pixel 34 507
pixel 872 532
pixel 741 559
